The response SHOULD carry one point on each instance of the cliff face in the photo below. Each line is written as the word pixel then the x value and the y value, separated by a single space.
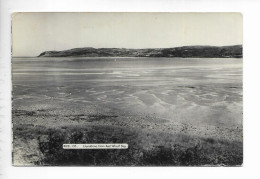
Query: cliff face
pixel 184 52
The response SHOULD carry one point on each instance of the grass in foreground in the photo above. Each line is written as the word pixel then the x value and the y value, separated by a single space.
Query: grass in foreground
pixel 146 148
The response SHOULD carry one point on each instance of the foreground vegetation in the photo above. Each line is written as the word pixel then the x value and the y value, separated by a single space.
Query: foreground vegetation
pixel 146 148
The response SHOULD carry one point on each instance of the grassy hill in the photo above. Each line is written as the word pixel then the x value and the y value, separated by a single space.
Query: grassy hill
pixel 184 52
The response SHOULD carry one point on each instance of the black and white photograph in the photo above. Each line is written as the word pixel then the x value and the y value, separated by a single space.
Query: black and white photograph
pixel 127 89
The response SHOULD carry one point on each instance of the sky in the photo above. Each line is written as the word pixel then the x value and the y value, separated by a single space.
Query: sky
pixel 33 33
